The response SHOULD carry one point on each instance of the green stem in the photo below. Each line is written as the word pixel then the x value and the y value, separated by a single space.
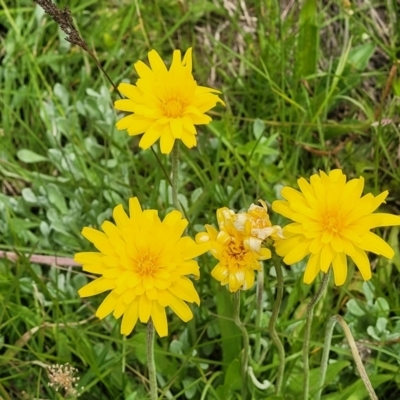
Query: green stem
pixel 307 332
pixel 150 360
pixel 175 183
pixel 272 324
pixel 354 351
pixel 259 306
pixel 246 346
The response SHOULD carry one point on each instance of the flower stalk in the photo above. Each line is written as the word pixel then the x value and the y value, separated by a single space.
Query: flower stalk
pixel 354 351
pixel 272 324
pixel 150 360
pixel 307 333
pixel 246 346
pixel 174 173
pixel 259 309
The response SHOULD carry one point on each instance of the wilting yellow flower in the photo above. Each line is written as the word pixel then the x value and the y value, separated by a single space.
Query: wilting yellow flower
pixel 144 262
pixel 237 245
pixel 332 221
pixel 255 223
pixel 166 104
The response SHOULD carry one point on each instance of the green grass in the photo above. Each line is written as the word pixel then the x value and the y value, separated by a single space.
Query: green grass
pixel 302 86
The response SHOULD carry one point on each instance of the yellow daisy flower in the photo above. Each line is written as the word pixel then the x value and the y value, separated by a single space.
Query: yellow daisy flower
pixel 144 262
pixel 166 104
pixel 332 220
pixel 238 251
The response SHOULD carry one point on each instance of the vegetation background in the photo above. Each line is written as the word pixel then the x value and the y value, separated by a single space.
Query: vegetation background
pixel 305 83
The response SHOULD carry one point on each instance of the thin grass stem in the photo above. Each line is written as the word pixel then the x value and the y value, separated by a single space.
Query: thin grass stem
pixel 272 324
pixel 307 333
pixel 354 351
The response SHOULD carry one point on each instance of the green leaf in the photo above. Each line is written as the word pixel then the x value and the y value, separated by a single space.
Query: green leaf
pixel 357 390
pixel 359 56
pixel 296 381
pixel 233 379
pixel 231 337
pixel 56 198
pixel 29 157
pixel 307 45
pixel 258 128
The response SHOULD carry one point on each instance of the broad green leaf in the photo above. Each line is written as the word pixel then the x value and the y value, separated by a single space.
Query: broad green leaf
pixel 29 157
pixel 307 45
pixel 56 198
pixel 231 337
pixel 359 56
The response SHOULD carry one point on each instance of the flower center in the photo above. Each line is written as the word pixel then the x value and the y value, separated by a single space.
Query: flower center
pixel 147 265
pixel 173 108
pixel 235 254
pixel 332 223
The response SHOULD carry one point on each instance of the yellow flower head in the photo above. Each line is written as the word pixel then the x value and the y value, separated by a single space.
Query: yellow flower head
pixel 166 104
pixel 332 220
pixel 237 246
pixel 144 262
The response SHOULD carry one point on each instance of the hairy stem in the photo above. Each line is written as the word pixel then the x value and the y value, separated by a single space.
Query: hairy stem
pixel 150 360
pixel 246 346
pixel 259 299
pixel 272 324
pixel 175 183
pixel 307 333
pixel 354 351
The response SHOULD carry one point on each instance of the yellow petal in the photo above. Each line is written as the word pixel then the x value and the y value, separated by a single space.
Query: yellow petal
pixel 156 62
pixel 139 126
pixel 99 269
pixel 220 272
pixel 167 140
pixel 88 257
pixel 135 210
pixel 125 105
pixel 360 258
pixel 282 207
pixel 145 307
pixel 187 59
pixel 176 60
pixel 130 91
pixel 372 242
pixel 188 267
pixel 176 128
pixel 107 306
pixel 151 135
pixel 180 308
pixel 120 217
pixel 143 70
pixel 159 319
pixel 99 239
pixel 130 318
pixel 184 289
pixel 326 255
pixel 339 264
pixel 248 279
pixel 194 250
pixel 97 286
pixel 129 296
pixel 380 219
pixel 188 139
pixel 120 307
pixel 297 253
pixel 312 269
